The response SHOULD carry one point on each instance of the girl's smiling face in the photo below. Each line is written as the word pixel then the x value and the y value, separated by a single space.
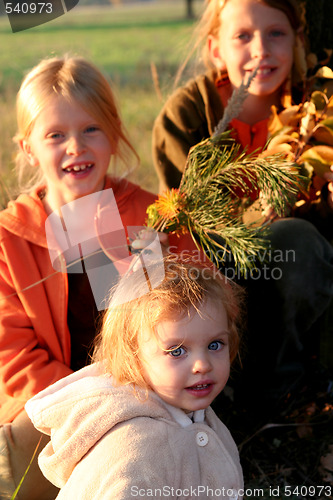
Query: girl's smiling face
pixel 251 34
pixel 71 149
pixel 188 363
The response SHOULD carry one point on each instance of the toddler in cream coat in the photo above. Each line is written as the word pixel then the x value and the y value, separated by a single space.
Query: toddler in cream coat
pixel 148 431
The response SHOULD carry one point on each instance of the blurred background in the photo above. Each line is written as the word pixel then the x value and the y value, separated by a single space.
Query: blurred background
pixel 139 45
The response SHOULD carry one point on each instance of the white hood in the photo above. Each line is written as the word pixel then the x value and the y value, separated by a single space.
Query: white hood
pixel 78 410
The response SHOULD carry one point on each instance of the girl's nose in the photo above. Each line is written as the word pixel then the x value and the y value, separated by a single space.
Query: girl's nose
pixel 75 146
pixel 202 364
pixel 259 46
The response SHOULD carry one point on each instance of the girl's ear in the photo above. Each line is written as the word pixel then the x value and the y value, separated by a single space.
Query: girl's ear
pixel 214 53
pixel 26 148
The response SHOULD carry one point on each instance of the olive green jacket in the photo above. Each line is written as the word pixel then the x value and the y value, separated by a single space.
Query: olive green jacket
pixel 191 115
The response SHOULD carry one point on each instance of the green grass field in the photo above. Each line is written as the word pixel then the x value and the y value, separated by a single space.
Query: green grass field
pixel 123 41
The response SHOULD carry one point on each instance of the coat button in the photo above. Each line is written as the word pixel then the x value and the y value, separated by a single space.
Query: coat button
pixel 234 495
pixel 202 439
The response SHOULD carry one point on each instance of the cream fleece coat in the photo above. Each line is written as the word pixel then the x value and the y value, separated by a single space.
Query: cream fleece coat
pixel 106 444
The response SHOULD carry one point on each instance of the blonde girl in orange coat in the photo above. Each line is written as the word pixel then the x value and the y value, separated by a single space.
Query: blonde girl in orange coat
pixel 69 131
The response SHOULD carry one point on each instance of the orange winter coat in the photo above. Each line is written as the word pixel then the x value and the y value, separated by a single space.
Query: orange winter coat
pixel 35 345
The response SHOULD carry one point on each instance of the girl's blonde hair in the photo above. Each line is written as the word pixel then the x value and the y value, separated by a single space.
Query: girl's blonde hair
pixel 210 23
pixel 75 79
pixel 185 286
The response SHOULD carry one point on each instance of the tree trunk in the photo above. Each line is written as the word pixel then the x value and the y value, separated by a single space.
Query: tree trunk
pixel 189 9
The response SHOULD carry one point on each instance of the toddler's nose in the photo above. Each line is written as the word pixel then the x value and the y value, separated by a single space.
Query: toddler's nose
pixel 202 365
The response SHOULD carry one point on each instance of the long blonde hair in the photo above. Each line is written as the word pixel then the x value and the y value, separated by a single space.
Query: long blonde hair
pixel 75 79
pixel 185 286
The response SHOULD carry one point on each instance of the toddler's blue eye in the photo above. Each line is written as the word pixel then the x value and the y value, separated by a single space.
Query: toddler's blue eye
pixel 215 346
pixel 177 352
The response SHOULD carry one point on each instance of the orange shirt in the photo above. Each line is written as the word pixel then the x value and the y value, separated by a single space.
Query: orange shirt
pixel 251 137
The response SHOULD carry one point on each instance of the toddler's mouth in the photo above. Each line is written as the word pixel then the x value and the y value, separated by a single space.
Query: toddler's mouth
pixel 199 387
pixel 201 390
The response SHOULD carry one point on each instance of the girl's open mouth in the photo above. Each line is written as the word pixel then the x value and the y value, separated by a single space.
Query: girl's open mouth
pixel 78 168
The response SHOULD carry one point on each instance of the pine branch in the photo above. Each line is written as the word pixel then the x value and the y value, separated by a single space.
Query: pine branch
pixel 216 179
pixel 231 172
pixel 208 203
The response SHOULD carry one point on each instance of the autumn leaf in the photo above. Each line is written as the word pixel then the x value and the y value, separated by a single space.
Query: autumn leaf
pixel 326 465
pixel 319 100
pixel 324 134
pixel 308 121
pixel 320 157
pixel 324 72
pixel 304 133
pixel 290 116
pixel 284 139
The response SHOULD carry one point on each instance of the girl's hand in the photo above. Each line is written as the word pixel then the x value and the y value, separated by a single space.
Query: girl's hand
pixel 146 236
pixel 269 214
pixel 329 177
pixel 152 247
pixel 260 212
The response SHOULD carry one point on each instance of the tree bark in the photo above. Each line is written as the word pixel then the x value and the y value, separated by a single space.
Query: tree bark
pixel 189 9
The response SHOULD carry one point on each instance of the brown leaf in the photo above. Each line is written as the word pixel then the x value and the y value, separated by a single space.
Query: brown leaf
pixel 323 134
pixel 290 116
pixel 319 99
pixel 308 121
pixel 285 149
pixel 282 139
pixel 320 157
pixel 326 465
pixel 304 431
pixel 324 72
pixel 274 122
pixel 327 460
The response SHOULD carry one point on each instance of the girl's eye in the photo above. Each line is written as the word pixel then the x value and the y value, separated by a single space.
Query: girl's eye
pixel 216 345
pixel 244 37
pixel 276 33
pixel 179 351
pixel 54 135
pixel 92 128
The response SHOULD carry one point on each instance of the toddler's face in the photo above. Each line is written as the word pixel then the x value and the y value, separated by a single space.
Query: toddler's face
pixel 253 33
pixel 191 375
